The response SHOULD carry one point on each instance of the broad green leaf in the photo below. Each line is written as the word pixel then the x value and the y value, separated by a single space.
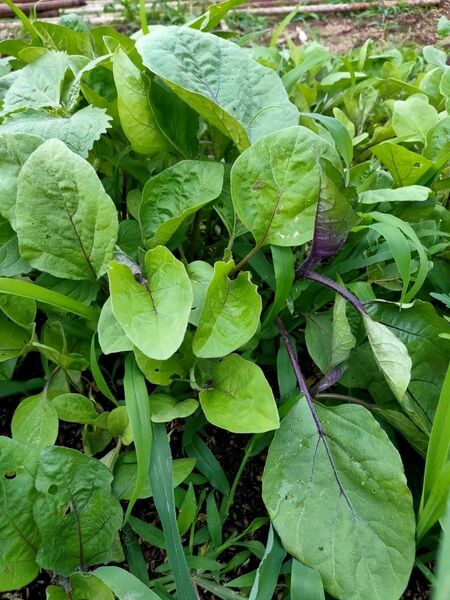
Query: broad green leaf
pixel 20 310
pixel 391 356
pixel 439 444
pixel 77 517
pixel 111 336
pixel 163 497
pixel 15 148
pixel 409 193
pixel 340 503
pixel 268 571
pixel 275 186
pixel 78 131
pixel 35 421
pixel 188 511
pixel 134 107
pixel 124 585
pixel 220 81
pixel 339 133
pixel 343 340
pixel 165 408
pixel 174 195
pixel 413 118
pixel 138 409
pixel 161 372
pixel 283 265
pixel 38 85
pixel 125 473
pixel 405 166
pixel 438 141
pixel 200 273
pixel 241 399
pixel 230 315
pixel 19 537
pixel 13 339
pixel 154 314
pixel 66 223
pixel 75 408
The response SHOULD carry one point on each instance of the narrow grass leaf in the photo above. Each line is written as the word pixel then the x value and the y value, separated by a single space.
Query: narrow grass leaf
pixel 124 584
pixel 268 571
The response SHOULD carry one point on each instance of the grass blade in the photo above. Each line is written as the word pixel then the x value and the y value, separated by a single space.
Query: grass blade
pixel 138 407
pixel 25 289
pixel 98 375
pixel 161 482
pixel 441 589
pixel 269 569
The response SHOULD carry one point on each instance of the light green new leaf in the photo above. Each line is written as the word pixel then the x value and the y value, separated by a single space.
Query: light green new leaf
pixel 409 193
pixel 125 474
pixel 220 81
pixel 174 195
pixel 138 409
pixel 19 536
pixel 15 148
pixel 413 118
pixel 391 356
pixel 75 408
pixel 66 223
pixel 77 516
pixel 20 310
pixel 13 339
pixel 154 314
pixel 241 399
pixel 230 315
pixel 10 262
pixel 134 107
pixel 38 84
pixel 165 408
pixel 275 186
pixel 342 508
pixel 200 273
pixel 111 336
pixel 405 166
pixel 160 372
pixel 124 585
pixel 78 131
pixel 35 421
pixel 343 340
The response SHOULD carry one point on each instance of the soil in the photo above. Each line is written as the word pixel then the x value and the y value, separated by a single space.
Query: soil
pixel 391 27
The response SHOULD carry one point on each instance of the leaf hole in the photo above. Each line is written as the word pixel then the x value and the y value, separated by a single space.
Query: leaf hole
pixel 10 475
pixel 53 489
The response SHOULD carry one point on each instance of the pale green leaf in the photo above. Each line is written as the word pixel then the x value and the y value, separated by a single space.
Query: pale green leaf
pixel 165 408
pixel 340 503
pixel 174 195
pixel 13 339
pixel 200 273
pixel 75 408
pixel 409 193
pixel 15 148
pixel 124 585
pixel 154 314
pixel 78 131
pixel 38 84
pixel 241 399
pixel 275 186
pixel 230 315
pixel 66 223
pixel 343 340
pixel 413 118
pixel 35 421
pixel 391 356
pixel 134 107
pixel 220 81
pixel 111 336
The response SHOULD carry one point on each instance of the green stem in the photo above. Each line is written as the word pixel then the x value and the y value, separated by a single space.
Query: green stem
pixel 143 17
pixel 225 509
pixel 24 19
pixel 246 258
pixel 25 289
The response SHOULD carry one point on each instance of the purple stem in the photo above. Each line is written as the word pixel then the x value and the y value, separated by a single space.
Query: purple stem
pixel 309 400
pixel 326 281
pixel 299 376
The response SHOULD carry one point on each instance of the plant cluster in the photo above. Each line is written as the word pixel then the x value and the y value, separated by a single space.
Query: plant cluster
pixel 195 233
